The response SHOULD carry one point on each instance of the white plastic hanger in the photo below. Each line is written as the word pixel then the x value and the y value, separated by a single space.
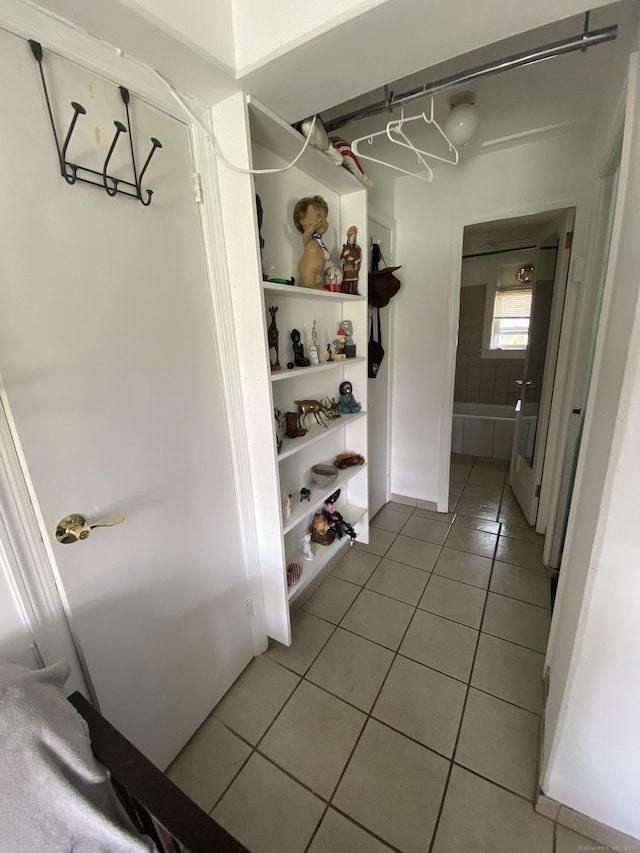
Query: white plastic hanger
pixel 400 138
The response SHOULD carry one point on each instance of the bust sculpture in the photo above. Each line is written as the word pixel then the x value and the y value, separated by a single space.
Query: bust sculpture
pixel 310 218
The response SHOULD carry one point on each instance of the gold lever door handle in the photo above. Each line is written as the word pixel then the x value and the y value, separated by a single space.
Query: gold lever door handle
pixel 73 528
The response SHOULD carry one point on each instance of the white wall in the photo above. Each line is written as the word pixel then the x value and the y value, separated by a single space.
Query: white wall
pixel 549 174
pixel 592 737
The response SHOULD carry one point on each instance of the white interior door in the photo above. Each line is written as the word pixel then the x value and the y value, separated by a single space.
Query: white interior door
pixel 110 367
pixel 551 268
pixel 379 391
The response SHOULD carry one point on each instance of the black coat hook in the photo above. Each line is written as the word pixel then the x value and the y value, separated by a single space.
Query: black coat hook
pixel 72 172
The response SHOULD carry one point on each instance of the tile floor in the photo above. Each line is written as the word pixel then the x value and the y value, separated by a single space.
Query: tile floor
pixel 405 715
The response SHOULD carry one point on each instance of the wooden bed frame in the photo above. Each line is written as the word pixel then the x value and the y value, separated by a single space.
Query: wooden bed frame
pixel 156 805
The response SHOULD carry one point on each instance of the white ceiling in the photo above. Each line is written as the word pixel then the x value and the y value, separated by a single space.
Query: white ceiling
pixel 543 99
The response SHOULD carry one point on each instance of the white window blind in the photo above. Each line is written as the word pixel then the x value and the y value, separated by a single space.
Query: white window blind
pixel 511 313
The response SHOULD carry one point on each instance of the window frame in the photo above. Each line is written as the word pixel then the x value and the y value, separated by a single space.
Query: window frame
pixel 500 274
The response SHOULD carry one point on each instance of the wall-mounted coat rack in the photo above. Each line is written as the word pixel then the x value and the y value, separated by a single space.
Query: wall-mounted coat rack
pixel 72 172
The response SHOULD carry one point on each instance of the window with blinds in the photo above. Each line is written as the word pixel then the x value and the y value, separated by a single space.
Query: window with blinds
pixel 511 315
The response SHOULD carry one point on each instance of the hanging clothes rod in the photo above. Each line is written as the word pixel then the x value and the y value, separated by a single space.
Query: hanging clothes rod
pixel 586 39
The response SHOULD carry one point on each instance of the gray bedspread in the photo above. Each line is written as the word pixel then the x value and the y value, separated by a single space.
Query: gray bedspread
pixel 54 796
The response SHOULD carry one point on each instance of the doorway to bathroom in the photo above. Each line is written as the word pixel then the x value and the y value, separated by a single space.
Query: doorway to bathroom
pixel 512 295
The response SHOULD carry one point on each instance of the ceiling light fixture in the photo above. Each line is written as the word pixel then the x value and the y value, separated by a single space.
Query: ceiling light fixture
pixel 462 121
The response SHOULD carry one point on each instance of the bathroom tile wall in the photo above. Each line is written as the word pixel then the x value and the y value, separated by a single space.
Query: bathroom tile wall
pixel 481 380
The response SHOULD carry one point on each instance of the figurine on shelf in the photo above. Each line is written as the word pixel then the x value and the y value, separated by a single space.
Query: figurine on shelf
pixel 313 349
pixel 348 403
pixel 341 337
pixel 329 353
pixel 286 506
pixel 305 494
pixel 351 257
pixel 294 430
pixel 279 428
pixel 349 346
pixel 260 214
pixel 332 279
pixel 298 350
pixel 310 218
pixel 307 553
pixel 272 337
pixel 315 408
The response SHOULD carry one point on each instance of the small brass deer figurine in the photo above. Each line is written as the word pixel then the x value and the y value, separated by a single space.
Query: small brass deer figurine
pixel 316 408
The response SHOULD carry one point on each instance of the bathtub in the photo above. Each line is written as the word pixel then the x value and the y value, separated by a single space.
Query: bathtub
pixel 482 429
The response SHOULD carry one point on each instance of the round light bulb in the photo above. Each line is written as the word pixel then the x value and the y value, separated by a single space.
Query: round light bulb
pixel 461 123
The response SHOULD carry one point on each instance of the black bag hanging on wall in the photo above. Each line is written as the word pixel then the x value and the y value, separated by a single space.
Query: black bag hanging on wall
pixel 376 351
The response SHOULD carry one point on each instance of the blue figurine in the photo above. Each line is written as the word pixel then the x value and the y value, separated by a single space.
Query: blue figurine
pixel 348 403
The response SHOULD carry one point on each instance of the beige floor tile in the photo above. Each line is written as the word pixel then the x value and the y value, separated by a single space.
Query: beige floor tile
pixel 308 636
pixel 457 601
pixel 338 834
pixel 523 584
pixel 483 509
pixel 422 703
pixel 568 841
pixel 455 489
pixel 398 581
pixel 509 672
pixel 396 506
pixel 508 498
pixel 459 473
pixel 378 618
pixel 464 567
pixel 426 529
pixel 474 541
pixel 356 566
pixel 313 737
pixel 446 517
pixel 413 552
pixel 500 742
pixel 239 710
pixel 525 554
pixel 486 494
pixel 516 621
pixel 389 519
pixel 524 534
pixel 393 787
pixel 489 478
pixel 208 763
pixel 440 644
pixel 332 599
pixel 352 668
pixel 379 541
pixel 479 817
pixel 477 523
pixel 267 811
pixel 512 515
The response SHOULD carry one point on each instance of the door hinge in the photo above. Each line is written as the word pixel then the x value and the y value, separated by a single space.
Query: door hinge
pixel 197 187
pixel 249 606
pixel 538 490
pixel 568 241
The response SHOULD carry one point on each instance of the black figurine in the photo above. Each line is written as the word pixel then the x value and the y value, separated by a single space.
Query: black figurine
pixel 298 350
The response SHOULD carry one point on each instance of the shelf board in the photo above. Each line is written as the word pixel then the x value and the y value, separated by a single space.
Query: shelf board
pixel 270 131
pixel 319 494
pixel 322 553
pixel 285 373
pixel 316 433
pixel 309 292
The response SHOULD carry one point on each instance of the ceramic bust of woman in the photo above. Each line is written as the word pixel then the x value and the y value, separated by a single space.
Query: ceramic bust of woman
pixel 351 257
pixel 310 218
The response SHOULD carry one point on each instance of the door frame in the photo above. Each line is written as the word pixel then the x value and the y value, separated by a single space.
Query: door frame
pixel 581 250
pixel 552 394
pixel 378 216
pixel 35 578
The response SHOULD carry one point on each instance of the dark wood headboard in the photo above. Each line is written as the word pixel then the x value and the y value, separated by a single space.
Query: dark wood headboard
pixel 150 797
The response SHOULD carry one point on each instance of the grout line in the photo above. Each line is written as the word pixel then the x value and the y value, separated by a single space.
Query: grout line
pixel 462 714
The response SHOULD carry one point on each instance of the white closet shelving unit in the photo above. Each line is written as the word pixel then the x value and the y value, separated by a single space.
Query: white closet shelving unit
pixel 273 143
